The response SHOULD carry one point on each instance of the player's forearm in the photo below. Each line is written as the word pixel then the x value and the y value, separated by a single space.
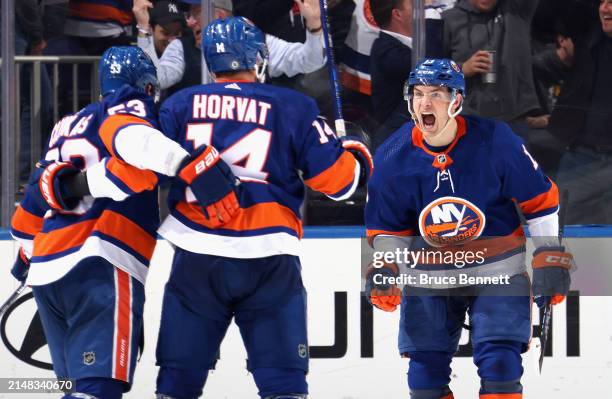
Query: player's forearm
pixel 544 230
pixel 147 148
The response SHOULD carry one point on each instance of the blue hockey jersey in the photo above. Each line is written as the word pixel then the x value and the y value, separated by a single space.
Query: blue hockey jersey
pixel 123 232
pixel 274 142
pixel 461 198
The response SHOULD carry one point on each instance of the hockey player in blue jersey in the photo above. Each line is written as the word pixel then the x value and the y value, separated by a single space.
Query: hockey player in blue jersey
pixel 88 259
pixel 247 269
pixel 445 182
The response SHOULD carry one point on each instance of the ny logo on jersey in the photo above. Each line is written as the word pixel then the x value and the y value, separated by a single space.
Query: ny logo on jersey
pixel 451 221
pixel 115 68
pixel 220 47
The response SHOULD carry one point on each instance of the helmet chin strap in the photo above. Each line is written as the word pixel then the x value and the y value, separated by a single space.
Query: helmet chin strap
pixel 260 71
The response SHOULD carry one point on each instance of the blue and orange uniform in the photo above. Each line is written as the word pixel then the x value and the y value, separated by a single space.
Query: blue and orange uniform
pixel 248 268
pixel 89 265
pixel 461 197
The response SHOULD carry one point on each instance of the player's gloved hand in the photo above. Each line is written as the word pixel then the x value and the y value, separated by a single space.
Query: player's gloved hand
pixel 47 188
pixel 360 151
pixel 21 266
pixel 213 184
pixel 551 278
pixel 380 293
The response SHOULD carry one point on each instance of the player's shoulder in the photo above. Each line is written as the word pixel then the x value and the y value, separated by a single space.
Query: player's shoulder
pixel 492 131
pixel 394 152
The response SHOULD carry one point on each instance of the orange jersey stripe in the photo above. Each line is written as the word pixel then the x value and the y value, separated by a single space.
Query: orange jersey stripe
pixel 123 326
pixel 63 239
pixel 259 216
pixel 543 201
pixel 26 222
pixel 501 396
pixel 355 83
pixel 138 180
pixel 374 233
pixel 112 124
pixel 336 177
pixel 123 229
pixel 99 12
pixel 371 233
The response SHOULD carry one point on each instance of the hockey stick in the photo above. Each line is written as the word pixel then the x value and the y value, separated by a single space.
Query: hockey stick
pixel 547 314
pixel 11 300
pixel 333 72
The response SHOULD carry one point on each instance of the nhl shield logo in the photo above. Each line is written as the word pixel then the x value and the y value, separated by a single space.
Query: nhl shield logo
pixel 451 221
pixel 89 358
pixel 302 351
pixel 442 159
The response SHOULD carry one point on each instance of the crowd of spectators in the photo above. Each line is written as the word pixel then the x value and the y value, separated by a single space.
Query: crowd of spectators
pixel 542 66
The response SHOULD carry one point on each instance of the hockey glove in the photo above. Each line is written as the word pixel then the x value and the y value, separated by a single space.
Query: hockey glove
pixel 21 266
pixel 551 278
pixel 379 292
pixel 47 185
pixel 213 184
pixel 362 154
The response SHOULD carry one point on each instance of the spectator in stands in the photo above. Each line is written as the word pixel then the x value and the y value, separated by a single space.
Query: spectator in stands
pixel 29 40
pixel 157 25
pixel 391 59
pixel 491 39
pixel 551 61
pixel 180 65
pixel 582 117
pixel 92 26
pixel 280 18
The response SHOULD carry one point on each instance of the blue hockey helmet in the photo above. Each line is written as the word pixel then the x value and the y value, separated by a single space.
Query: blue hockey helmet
pixel 234 44
pixel 127 65
pixel 437 72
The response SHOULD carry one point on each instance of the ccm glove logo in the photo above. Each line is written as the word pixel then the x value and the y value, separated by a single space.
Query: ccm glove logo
pixel 552 259
pixel 564 260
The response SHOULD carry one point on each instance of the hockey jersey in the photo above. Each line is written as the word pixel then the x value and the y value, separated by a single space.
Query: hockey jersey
pixel 274 142
pixel 460 199
pixel 123 232
pixel 99 18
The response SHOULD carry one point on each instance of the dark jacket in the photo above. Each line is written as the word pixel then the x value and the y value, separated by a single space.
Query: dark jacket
pixel 569 115
pixel 390 64
pixel 505 30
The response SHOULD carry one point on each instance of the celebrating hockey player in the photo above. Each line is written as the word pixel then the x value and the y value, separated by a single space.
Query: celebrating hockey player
pixel 88 259
pixel 450 182
pixel 248 269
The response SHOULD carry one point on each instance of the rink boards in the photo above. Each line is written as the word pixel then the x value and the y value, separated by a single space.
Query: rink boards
pixel 353 349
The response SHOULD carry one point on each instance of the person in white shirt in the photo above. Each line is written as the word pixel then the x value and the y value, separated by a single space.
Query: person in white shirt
pixel 284 57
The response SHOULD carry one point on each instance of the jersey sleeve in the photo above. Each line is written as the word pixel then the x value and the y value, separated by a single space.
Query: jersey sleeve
pixel 136 141
pixel 522 178
pixel 26 223
pixel 325 165
pixel 115 179
pixel 388 212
